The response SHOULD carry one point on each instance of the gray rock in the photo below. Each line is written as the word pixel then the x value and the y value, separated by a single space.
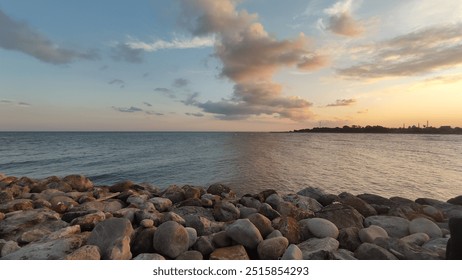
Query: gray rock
pixel 162 204
pixel 172 216
pixel 87 252
pixel 320 228
pixel 395 226
pixel 303 202
pixel 376 199
pixel 112 236
pixel 245 212
pixel 349 238
pixel 202 225
pixel 33 235
pixel 8 248
pixel 251 202
pixel 204 245
pixel 368 251
pixel 449 210
pixel 174 193
pixel 418 239
pixel 236 252
pixel 288 209
pixel 16 205
pixel 171 239
pixel 195 211
pixel 426 226
pixel 274 200
pixel 262 223
pixel 456 200
pixel 156 217
pixel 342 216
pixel 406 251
pixel 142 241
pixel 438 246
pixel 191 255
pixel 292 253
pixel 268 211
pixel 433 213
pixel 149 257
pixel 218 189
pixel 245 233
pixel 79 183
pixel 343 254
pixel 192 236
pixel 225 211
pixel 357 203
pixel 221 239
pixel 312 192
pixel 318 249
pixel 372 232
pixel 274 233
pixel 127 213
pixel 89 221
pixel 289 228
pixel 147 223
pixel 273 248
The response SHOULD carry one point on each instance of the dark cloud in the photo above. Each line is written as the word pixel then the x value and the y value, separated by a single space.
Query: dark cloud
pixel 342 102
pixel 341 20
pixel 6 101
pixel 18 36
pixel 24 104
pixel 152 113
pixel 191 99
pixel 118 82
pixel 250 57
pixel 166 92
pixel 180 82
pixel 147 104
pixel 419 52
pixel 127 110
pixel 123 52
pixel 195 114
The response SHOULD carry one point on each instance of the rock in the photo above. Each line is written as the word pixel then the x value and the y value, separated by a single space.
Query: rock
pixel 433 213
pixel 343 254
pixel 289 228
pixel 357 203
pixel 2 216
pixel 202 225
pixel 368 251
pixel 191 192
pixel 245 212
pixel 292 253
pixel 349 238
pixel 374 199
pixel 127 213
pixel 273 248
pixel 449 210
pixel 171 239
pixel 5 197
pixel 395 226
pixel 372 232
pixel 245 233
pixel 221 239
pixel 204 245
pixel 8 248
pixel 16 205
pixel 149 257
pixel 122 186
pixel 251 202
pixel 112 236
pixel 171 216
pixel 262 223
pixel 195 211
pixel 142 241
pixel 456 200
pixel 267 211
pixel 274 200
pixel 303 202
pixel 69 216
pixel 32 235
pixel 87 252
pixel 312 192
pixel 454 245
pixel 318 249
pixel 237 252
pixel 190 202
pixel 79 183
pixel 174 193
pixel 89 221
pixel 426 226
pixel 328 199
pixel 288 209
pixel 190 255
pixel 155 216
pixel 319 228
pixel 437 246
pixel 192 236
pixel 274 233
pixel 417 238
pixel 225 211
pixel 218 189
pixel 147 223
pixel 161 204
pixel 342 216
pixel 406 251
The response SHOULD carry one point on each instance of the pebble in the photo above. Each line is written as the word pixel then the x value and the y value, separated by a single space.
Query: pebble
pixel 372 232
pixel 273 248
pixel 292 253
pixel 395 226
pixel 171 239
pixel 321 228
pixel 245 233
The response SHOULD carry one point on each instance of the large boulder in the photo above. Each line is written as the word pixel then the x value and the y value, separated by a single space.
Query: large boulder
pixel 372 232
pixel 112 236
pixel 395 226
pixel 343 216
pixel 319 228
pixel 357 203
pixel 245 233
pixel 225 211
pixel 318 249
pixel 289 228
pixel 426 226
pixel 171 239
pixel 79 183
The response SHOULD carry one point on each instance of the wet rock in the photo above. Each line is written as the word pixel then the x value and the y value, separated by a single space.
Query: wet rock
pixel 149 257
pixel 87 252
pixel 418 239
pixel 406 251
pixel 202 225
pixel 8 248
pixel 221 239
pixel 262 223
pixel 426 226
pixel 372 232
pixel 454 245
pixel 318 227
pixel 368 251
pixel 204 245
pixel 289 228
pixel 89 221
pixel 225 211
pixel 161 204
pixel 349 238
pixel 112 236
pixel 245 233
pixel 357 203
pixel 292 253
pixel 142 241
pixel 342 216
pixel 268 211
pixel 318 249
pixel 273 248
pixel 191 255
pixel 236 252
pixel 218 189
pixel 16 205
pixel 312 192
pixel 456 200
pixel 171 239
pixel 303 202
pixel 79 183
pixel 395 226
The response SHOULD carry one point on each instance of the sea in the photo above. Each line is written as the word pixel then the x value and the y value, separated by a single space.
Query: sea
pixel 409 166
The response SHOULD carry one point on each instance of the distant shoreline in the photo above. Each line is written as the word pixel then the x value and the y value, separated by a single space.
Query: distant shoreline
pixel 383 130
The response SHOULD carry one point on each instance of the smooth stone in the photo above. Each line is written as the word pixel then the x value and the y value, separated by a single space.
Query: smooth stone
pixel 312 192
pixel 112 236
pixel 262 223
pixel 289 228
pixel 221 239
pixel 274 200
pixel 395 226
pixel 8 248
pixel 87 252
pixel 202 225
pixel 406 251
pixel 456 200
pixel 245 212
pixel 190 255
pixel 357 203
pixel 149 257
pixel 322 228
pixel 433 213
pixel 454 246
pixel 349 238
pixel 89 221
pixel 204 244
pixel 318 249
pixel 245 233
pixel 32 235
pixel 372 232
pixel 274 233
pixel 218 189
pixel 79 183
pixel 236 252
pixel 369 251
pixel 174 193
pixel 273 248
pixel 142 241
pixel 292 253
pixel 171 239
pixel 16 205
pixel 342 216
pixel 303 202
pixel 225 211
pixel 418 238
pixel 172 216
pixel 268 211
pixel 426 226
pixel 343 254
pixel 438 246
pixel 147 223
pixel 192 236
pixel 251 202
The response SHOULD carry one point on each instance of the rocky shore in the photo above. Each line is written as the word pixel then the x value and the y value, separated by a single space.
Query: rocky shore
pixel 69 218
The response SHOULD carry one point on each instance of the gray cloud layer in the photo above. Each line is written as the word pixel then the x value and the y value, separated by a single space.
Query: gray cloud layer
pixel 419 52
pixel 250 57
pixel 18 36
pixel 342 102
pixel 180 82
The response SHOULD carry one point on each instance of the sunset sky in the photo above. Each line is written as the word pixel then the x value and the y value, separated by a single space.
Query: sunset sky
pixel 228 65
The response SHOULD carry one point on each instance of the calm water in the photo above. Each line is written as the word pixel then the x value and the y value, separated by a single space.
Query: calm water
pixel 390 165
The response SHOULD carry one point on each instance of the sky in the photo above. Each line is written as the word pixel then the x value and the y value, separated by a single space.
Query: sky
pixel 228 65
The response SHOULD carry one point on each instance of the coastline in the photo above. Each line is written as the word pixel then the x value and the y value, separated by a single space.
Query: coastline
pixel 71 218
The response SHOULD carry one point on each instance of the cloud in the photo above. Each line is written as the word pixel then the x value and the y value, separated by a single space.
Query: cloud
pixel 419 52
pixel 166 92
pixel 194 114
pixel 147 104
pixel 176 43
pixel 342 102
pixel 341 20
pixel 123 52
pixel 13 103
pixel 127 110
pixel 180 82
pixel 24 104
pixel 191 99
pixel 152 113
pixel 117 82
pixel 4 101
pixel 18 36
pixel 250 57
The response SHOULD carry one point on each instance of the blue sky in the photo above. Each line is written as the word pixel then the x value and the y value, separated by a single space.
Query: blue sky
pixel 254 65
